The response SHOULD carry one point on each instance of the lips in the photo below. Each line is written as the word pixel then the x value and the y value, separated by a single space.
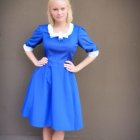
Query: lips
pixel 60 17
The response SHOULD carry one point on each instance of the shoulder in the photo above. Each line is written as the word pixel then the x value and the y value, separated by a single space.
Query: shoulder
pixel 81 30
pixel 79 27
pixel 42 27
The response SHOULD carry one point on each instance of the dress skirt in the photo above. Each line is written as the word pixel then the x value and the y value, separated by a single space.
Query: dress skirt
pixel 52 98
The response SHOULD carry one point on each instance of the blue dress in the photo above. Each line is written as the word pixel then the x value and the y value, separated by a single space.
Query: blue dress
pixel 52 97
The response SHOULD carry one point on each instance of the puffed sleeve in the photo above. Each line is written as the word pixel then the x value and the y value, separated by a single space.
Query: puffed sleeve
pixel 34 40
pixel 86 43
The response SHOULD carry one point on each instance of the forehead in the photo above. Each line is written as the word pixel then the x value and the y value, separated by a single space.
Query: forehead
pixel 58 3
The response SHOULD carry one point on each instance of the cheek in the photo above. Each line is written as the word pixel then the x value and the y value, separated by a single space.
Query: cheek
pixel 52 13
pixel 66 12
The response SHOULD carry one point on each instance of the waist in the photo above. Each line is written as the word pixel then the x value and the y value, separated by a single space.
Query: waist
pixel 57 62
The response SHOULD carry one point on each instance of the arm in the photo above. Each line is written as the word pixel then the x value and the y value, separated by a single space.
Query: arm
pixel 84 63
pixel 34 40
pixel 72 68
pixel 89 46
pixel 34 60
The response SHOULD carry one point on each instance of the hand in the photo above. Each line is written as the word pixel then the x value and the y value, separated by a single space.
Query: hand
pixel 41 62
pixel 70 66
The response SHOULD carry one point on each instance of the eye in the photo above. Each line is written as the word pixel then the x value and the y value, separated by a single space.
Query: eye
pixel 62 8
pixel 55 9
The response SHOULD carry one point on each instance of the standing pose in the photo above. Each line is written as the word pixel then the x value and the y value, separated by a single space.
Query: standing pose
pixel 52 101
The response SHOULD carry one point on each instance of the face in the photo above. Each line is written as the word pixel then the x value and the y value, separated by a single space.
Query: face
pixel 59 10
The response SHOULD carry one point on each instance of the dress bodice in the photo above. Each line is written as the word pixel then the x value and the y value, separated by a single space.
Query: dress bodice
pixel 61 47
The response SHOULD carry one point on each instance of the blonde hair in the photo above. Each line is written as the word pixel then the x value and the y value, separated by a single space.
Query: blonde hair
pixel 69 16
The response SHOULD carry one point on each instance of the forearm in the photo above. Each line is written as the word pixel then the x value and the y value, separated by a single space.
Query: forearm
pixel 31 56
pixel 85 62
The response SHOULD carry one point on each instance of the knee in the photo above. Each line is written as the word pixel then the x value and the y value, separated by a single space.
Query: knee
pixel 59 132
pixel 47 129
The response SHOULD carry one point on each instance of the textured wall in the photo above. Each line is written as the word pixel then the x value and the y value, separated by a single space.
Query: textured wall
pixel 109 87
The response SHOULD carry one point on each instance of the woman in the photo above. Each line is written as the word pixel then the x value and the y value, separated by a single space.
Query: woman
pixel 52 101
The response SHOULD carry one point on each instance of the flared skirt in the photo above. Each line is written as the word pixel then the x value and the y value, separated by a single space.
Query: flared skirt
pixel 52 99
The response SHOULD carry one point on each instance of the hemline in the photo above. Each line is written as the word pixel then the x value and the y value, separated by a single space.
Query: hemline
pixel 50 126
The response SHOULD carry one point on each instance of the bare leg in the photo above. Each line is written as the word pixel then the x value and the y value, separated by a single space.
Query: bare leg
pixel 47 133
pixel 58 135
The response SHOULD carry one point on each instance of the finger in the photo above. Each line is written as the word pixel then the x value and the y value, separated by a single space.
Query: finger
pixel 45 58
pixel 70 67
pixel 39 65
pixel 68 62
pixel 43 61
pixel 70 70
pixel 66 65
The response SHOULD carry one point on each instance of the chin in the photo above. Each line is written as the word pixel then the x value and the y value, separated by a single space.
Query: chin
pixel 60 20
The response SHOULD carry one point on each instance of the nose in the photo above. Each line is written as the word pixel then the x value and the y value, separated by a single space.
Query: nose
pixel 59 12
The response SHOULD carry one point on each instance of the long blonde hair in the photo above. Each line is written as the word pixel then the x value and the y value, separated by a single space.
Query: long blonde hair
pixel 69 16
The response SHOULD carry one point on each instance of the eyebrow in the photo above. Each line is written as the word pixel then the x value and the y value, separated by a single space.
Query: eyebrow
pixel 58 8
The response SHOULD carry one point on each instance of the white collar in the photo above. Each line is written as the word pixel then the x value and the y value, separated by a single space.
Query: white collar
pixel 60 35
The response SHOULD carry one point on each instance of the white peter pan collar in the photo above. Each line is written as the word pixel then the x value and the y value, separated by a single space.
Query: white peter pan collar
pixel 60 35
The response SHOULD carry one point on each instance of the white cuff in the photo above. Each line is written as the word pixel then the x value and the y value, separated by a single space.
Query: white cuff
pixel 93 54
pixel 27 48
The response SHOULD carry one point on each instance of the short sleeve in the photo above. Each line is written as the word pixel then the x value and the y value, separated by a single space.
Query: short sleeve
pixel 34 40
pixel 86 43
